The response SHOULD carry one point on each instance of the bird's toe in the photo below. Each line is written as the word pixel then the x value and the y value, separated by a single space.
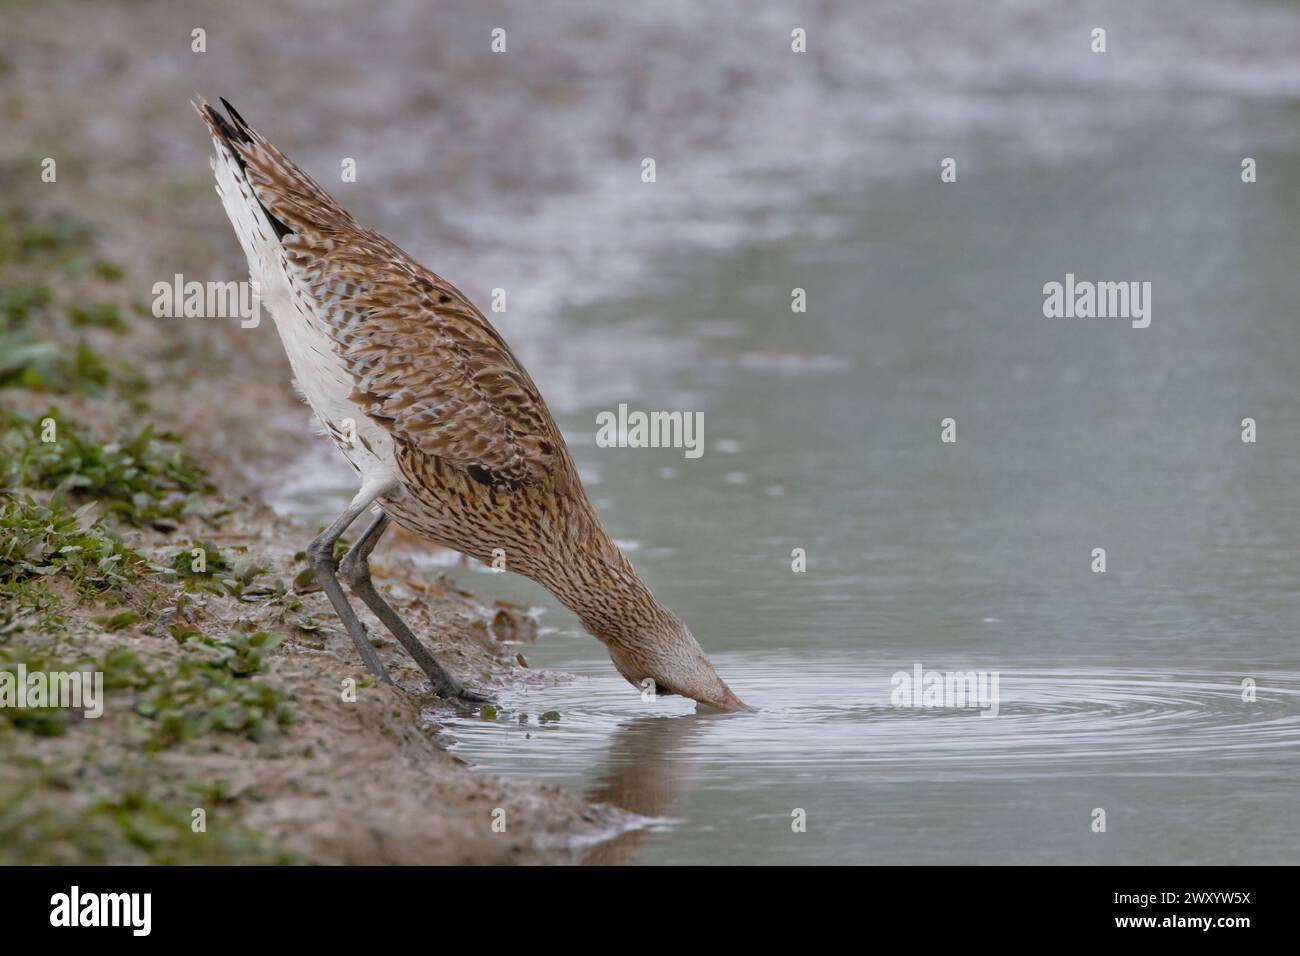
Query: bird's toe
pixel 453 691
pixel 472 697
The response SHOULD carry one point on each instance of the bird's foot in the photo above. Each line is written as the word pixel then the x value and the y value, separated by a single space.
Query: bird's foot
pixel 450 689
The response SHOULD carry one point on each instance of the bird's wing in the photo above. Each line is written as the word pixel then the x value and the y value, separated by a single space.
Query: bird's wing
pixel 427 364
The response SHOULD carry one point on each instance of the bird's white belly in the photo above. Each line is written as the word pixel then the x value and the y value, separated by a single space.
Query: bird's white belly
pixel 319 374
pixel 324 381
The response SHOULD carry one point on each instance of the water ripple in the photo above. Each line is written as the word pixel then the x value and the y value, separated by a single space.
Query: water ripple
pixel 836 717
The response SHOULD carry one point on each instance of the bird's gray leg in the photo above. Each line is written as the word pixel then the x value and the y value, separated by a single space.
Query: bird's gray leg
pixel 355 569
pixel 321 555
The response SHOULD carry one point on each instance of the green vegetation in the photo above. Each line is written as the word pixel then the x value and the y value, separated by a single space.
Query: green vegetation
pixel 211 689
pixel 103 315
pixel 200 572
pixel 121 669
pixel 143 478
pixel 129 824
pixel 30 358
pixel 208 688
pixel 108 270
pixel 75 597
pixel 215 573
pixel 58 241
pixel 42 366
pixel 18 302
pixel 241 654
pixel 38 541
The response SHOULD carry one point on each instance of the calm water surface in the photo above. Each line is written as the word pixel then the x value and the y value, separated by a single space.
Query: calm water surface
pixel 1120 691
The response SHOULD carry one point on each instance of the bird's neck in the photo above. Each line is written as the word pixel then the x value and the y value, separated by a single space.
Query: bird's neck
pixel 598 583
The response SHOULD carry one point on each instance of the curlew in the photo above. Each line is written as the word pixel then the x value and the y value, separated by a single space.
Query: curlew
pixel 446 431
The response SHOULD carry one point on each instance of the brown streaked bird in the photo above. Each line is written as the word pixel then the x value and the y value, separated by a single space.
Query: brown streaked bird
pixel 446 431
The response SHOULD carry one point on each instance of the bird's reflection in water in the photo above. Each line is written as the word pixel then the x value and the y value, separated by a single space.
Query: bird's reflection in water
pixel 645 771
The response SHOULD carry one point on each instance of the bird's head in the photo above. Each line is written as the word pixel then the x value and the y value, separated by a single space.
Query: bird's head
pixel 668 654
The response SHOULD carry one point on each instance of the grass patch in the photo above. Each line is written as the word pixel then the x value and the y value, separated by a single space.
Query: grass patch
pixel 109 271
pixel 28 357
pixel 121 669
pixel 103 315
pixel 53 241
pixel 19 301
pixel 31 361
pixel 38 541
pixel 44 826
pixel 211 690
pixel 203 567
pixel 42 542
pixel 39 365
pixel 143 478
pixel 202 571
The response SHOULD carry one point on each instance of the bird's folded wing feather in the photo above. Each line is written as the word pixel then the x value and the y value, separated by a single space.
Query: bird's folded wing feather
pixel 427 364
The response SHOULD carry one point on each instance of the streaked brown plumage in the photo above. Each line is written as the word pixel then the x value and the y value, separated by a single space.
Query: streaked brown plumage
pixel 447 432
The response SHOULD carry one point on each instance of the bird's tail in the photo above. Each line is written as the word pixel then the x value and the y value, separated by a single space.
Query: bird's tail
pixel 266 195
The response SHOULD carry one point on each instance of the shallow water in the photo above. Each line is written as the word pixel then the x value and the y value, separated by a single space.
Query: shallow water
pixel 1186 771
pixel 1121 690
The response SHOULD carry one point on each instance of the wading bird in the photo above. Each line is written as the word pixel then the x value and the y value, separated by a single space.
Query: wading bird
pixel 447 433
